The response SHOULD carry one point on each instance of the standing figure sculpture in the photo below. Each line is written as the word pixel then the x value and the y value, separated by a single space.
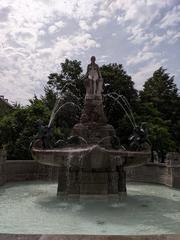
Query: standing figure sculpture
pixel 94 81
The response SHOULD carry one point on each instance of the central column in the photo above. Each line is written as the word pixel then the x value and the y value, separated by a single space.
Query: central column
pixel 97 173
pixel 93 125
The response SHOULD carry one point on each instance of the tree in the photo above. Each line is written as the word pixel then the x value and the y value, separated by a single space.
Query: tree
pixel 117 81
pixel 158 104
pixel 70 84
pixel 161 90
pixel 161 140
pixel 66 86
pixel 18 127
pixel 160 107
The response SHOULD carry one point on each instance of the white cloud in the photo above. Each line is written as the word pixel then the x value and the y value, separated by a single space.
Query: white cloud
pixel 41 33
pixel 137 35
pixel 60 24
pixel 25 58
pixel 142 56
pixel 99 22
pixel 103 59
pixel 52 29
pixel 36 35
pixel 145 72
pixel 157 39
pixel 84 25
pixel 32 68
pixel 114 34
pixel 172 18
pixel 56 27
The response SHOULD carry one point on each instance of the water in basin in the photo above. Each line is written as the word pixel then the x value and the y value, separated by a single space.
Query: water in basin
pixel 32 207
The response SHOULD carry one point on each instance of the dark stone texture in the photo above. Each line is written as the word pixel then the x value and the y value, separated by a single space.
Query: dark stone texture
pixel 94 133
pixel 87 237
pixel 94 188
pixel 93 125
pixel 2 166
pixel 93 112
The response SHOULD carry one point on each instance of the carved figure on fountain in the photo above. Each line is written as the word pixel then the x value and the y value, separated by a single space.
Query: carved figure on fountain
pixel 93 123
pixel 93 81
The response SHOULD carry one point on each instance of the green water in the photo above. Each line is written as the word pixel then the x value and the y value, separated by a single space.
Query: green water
pixel 32 207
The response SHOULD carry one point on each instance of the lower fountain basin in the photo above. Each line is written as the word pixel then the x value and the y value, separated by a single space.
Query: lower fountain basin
pixel 33 208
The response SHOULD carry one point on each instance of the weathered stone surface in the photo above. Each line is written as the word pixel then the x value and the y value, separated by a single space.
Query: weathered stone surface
pixel 94 177
pixel 113 179
pixel 173 159
pixel 94 133
pixel 21 170
pixel 87 237
pixel 95 188
pixel 93 112
pixel 2 166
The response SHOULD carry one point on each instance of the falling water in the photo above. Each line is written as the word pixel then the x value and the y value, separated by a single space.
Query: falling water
pixel 127 108
pixel 58 107
pixel 83 139
pixel 69 158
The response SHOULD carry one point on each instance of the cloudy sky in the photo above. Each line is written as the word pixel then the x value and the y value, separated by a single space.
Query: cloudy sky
pixel 36 35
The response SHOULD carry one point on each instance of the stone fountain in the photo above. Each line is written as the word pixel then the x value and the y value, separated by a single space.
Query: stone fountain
pixel 97 165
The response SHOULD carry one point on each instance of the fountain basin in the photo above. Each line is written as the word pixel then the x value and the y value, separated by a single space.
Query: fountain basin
pixel 90 170
pixel 33 208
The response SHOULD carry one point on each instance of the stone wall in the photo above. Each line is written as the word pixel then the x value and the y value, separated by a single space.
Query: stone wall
pixel 167 173
pixel 88 237
pixel 152 173
pixel 20 170
pixel 173 160
pixel 2 166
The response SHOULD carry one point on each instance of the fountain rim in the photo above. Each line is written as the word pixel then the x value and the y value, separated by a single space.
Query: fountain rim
pixel 91 147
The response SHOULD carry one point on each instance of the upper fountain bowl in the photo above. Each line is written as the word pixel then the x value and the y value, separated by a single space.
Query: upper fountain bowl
pixel 91 157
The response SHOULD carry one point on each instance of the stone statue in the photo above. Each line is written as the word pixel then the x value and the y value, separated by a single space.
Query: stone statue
pixel 93 80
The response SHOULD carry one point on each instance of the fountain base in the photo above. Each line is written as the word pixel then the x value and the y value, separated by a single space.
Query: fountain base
pixel 91 170
pixel 104 182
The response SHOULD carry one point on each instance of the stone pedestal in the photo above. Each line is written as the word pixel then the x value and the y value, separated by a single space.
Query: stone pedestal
pixel 78 182
pixel 97 173
pixel 2 166
pixel 93 125
pixel 173 160
pixel 94 133
pixel 93 111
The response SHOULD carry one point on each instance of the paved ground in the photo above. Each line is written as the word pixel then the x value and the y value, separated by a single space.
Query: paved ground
pixel 86 237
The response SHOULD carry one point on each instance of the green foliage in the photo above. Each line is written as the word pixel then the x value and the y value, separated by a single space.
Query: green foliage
pixel 4 107
pixel 161 140
pixel 158 104
pixel 18 127
pixel 161 90
pixel 116 80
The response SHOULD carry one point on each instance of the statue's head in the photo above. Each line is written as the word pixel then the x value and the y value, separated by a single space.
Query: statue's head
pixel 93 59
